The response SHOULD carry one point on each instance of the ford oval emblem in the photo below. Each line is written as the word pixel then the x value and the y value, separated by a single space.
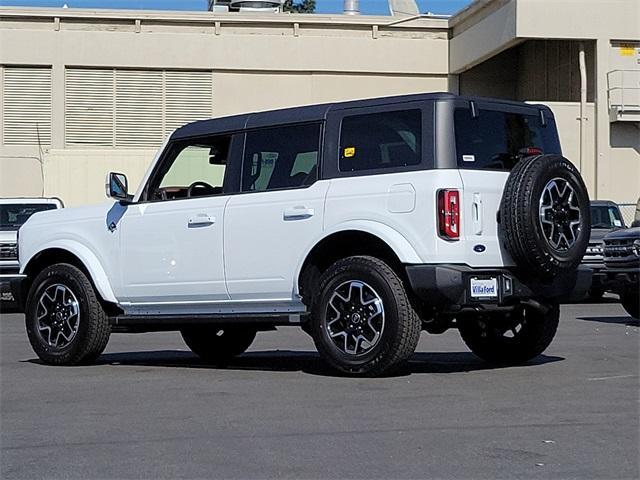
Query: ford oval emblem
pixel 479 248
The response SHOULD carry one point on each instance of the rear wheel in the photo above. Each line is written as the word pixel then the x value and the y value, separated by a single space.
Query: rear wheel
pixel 510 339
pixel 65 321
pixel 218 344
pixel 362 321
pixel 631 303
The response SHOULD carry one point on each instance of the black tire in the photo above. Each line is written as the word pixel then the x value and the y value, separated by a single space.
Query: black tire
pixel 386 308
pixel 631 303
pixel 92 328
pixel 510 339
pixel 521 227
pixel 217 344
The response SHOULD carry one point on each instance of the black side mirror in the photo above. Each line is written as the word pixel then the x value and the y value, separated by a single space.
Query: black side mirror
pixel 118 187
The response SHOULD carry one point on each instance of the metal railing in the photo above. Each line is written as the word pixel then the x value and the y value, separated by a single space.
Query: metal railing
pixel 623 89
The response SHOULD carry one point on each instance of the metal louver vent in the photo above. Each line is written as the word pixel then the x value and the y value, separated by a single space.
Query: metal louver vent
pixel 132 108
pixel 89 112
pixel 188 97
pixel 26 104
pixel 138 108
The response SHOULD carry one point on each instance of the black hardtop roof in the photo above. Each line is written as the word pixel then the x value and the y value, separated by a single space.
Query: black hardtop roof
pixel 310 113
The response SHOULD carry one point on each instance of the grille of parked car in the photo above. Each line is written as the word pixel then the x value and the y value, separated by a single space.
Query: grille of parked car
pixel 621 251
pixel 9 251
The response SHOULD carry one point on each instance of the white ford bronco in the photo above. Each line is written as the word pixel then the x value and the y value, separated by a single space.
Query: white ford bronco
pixel 363 222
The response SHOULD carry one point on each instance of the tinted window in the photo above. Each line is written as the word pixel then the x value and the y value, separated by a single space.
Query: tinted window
pixel 193 168
pixel 12 216
pixel 604 216
pixel 381 141
pixel 281 157
pixel 494 140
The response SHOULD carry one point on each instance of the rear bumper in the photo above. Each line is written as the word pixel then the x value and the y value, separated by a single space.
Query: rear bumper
pixel 450 286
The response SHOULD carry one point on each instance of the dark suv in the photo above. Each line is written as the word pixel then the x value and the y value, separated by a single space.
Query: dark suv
pixel 605 217
pixel 622 267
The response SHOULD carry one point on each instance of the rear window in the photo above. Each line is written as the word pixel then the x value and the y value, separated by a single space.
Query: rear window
pixel 12 216
pixel 378 141
pixel 493 140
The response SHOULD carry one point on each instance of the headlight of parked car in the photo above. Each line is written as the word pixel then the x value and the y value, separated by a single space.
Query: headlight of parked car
pixel 636 247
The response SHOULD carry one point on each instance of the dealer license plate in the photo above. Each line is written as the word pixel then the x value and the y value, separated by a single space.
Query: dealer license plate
pixel 484 287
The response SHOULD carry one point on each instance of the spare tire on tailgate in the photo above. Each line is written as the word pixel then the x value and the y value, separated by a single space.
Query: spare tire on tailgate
pixel 545 219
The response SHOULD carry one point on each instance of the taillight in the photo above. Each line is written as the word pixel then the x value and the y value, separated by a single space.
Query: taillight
pixel 449 214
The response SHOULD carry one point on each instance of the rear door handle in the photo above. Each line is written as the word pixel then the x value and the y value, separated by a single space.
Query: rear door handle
pixel 298 213
pixel 201 220
pixel 477 214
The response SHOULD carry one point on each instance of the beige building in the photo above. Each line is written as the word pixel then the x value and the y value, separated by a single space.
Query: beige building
pixel 88 91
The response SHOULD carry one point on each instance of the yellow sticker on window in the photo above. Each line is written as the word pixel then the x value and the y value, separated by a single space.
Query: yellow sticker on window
pixel 627 50
pixel 349 152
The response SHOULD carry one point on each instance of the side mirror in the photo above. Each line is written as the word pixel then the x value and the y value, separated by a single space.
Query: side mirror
pixel 118 187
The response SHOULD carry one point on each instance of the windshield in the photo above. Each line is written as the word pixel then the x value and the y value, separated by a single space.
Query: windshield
pixel 604 216
pixel 12 216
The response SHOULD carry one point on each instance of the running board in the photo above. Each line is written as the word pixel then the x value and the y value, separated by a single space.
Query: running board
pixel 149 323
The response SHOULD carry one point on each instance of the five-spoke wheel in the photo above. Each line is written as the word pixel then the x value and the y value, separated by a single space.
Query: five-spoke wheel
pixel 65 321
pixel 58 315
pixel 362 321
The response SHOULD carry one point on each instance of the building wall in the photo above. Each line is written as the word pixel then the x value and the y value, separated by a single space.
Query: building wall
pixel 256 62
pixel 502 46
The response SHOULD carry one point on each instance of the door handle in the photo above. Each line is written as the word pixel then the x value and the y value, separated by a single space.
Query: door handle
pixel 298 213
pixel 201 220
pixel 477 214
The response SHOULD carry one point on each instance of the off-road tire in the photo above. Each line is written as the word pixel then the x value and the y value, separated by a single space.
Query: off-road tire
pixel 519 226
pixel 401 332
pixel 485 335
pixel 631 303
pixel 94 328
pixel 218 344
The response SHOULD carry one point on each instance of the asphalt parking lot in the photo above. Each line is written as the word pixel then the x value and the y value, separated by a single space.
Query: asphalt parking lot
pixel 149 409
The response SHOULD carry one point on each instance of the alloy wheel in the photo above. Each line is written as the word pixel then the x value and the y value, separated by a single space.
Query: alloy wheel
pixel 559 214
pixel 58 316
pixel 355 317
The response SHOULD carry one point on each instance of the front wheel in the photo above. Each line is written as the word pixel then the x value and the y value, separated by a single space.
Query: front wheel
pixel 362 321
pixel 513 338
pixel 218 344
pixel 65 321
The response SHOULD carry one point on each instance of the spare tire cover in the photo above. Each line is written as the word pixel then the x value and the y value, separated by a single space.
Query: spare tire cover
pixel 545 218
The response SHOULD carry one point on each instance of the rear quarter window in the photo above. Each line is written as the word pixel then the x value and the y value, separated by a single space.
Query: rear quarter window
pixel 494 139
pixel 381 141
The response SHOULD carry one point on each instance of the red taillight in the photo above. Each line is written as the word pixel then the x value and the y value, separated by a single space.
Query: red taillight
pixel 449 214
pixel 530 151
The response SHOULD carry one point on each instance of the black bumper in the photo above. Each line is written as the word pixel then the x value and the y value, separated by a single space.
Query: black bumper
pixel 450 286
pixel 12 283
pixel 619 280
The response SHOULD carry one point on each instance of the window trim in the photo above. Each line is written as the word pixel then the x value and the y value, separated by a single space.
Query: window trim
pixel 321 137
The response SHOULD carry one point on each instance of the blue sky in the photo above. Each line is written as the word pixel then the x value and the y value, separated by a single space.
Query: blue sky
pixel 323 6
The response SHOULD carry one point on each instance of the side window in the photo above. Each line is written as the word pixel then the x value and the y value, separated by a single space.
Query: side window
pixel 194 168
pixel 384 140
pixel 281 157
pixel 494 139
